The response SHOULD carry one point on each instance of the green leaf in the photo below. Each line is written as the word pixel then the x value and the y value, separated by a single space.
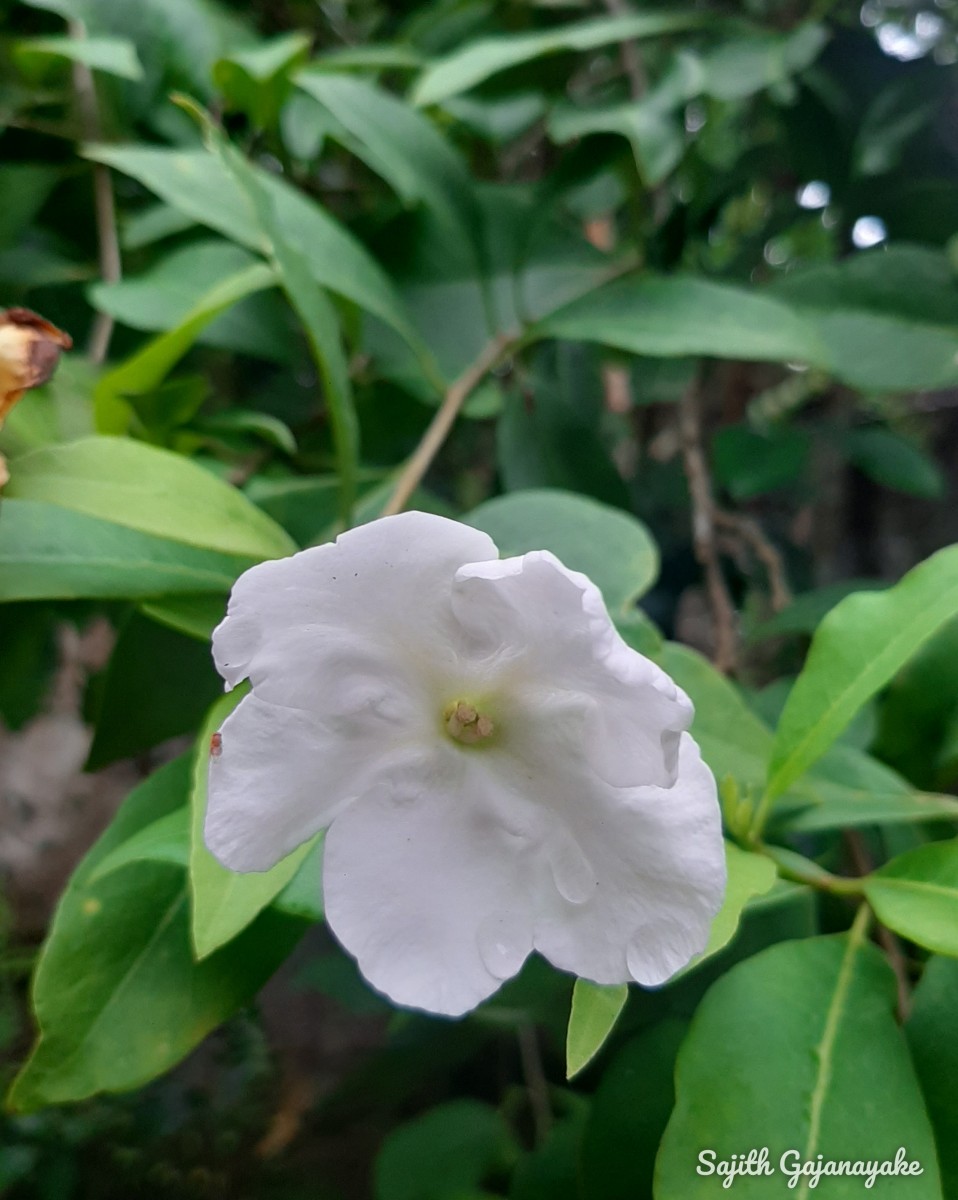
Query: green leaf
pixel 630 1110
pixel 933 1038
pixel 402 146
pixel 49 552
pixel 449 1151
pixel 806 611
pixel 749 875
pixel 112 55
pixel 256 81
pixel 613 548
pixel 150 366
pixel 166 840
pixel 225 903
pixel 196 616
pixel 894 462
pixel 306 505
pixel 657 138
pixel 830 1075
pixel 733 739
pixel 857 649
pixel 158 685
pixel 477 61
pixel 198 184
pixel 740 67
pixel 887 319
pixel 682 315
pixel 150 490
pixel 595 1010
pixel 749 463
pixel 163 297
pixel 312 306
pixel 916 894
pixel 117 995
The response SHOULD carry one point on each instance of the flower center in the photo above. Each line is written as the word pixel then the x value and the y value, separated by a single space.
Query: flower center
pixel 465 723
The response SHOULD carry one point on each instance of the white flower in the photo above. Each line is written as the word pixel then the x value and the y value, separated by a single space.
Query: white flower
pixel 498 771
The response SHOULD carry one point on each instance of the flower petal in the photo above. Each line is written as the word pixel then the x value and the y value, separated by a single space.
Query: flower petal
pixel 280 775
pixel 659 877
pixel 383 585
pixel 428 890
pixel 546 631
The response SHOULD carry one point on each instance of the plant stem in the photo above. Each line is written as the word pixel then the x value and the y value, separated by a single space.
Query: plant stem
pixel 441 424
pixel 103 200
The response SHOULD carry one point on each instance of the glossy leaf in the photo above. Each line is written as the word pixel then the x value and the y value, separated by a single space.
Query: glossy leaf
pixel 311 305
pixel 49 552
pixel 933 1039
pixel 916 894
pixel 857 649
pixel 684 315
pixel 117 995
pixel 150 365
pixel 113 56
pixel 477 61
pixel 196 183
pixel 402 146
pixel 162 298
pixel 150 490
pixel 614 549
pixel 225 903
pixel 595 1010
pixel 836 1064
pixel 165 840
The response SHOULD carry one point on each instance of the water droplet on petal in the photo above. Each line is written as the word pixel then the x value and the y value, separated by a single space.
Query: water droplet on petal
pixel 505 941
pixel 572 872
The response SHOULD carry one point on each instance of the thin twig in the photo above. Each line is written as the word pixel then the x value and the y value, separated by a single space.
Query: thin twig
pixel 630 54
pixel 752 533
pixel 442 423
pixel 890 944
pixel 104 204
pixel 536 1083
pixel 703 529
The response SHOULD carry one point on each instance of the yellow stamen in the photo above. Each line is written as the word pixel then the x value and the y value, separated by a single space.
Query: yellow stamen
pixel 466 724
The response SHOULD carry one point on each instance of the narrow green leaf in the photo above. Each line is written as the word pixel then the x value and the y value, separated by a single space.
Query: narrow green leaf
pixel 829 1076
pixel 477 61
pixel 225 903
pixel 684 314
pixel 112 55
pixel 151 490
pixel 166 840
pixel 613 548
pixel 933 1038
pixel 196 616
pixel 116 993
pixel 857 649
pixel 150 366
pixel 749 875
pixel 49 552
pixel 314 309
pixel 197 183
pixel 162 298
pixel 402 146
pixel 595 1010
pixel 916 894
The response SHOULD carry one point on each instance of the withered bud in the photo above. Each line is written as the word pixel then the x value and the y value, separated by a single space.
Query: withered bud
pixel 30 349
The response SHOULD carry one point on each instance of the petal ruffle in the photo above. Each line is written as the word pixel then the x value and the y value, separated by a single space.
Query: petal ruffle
pixel 383 586
pixel 281 776
pixel 656 862
pixel 544 633
pixel 428 889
